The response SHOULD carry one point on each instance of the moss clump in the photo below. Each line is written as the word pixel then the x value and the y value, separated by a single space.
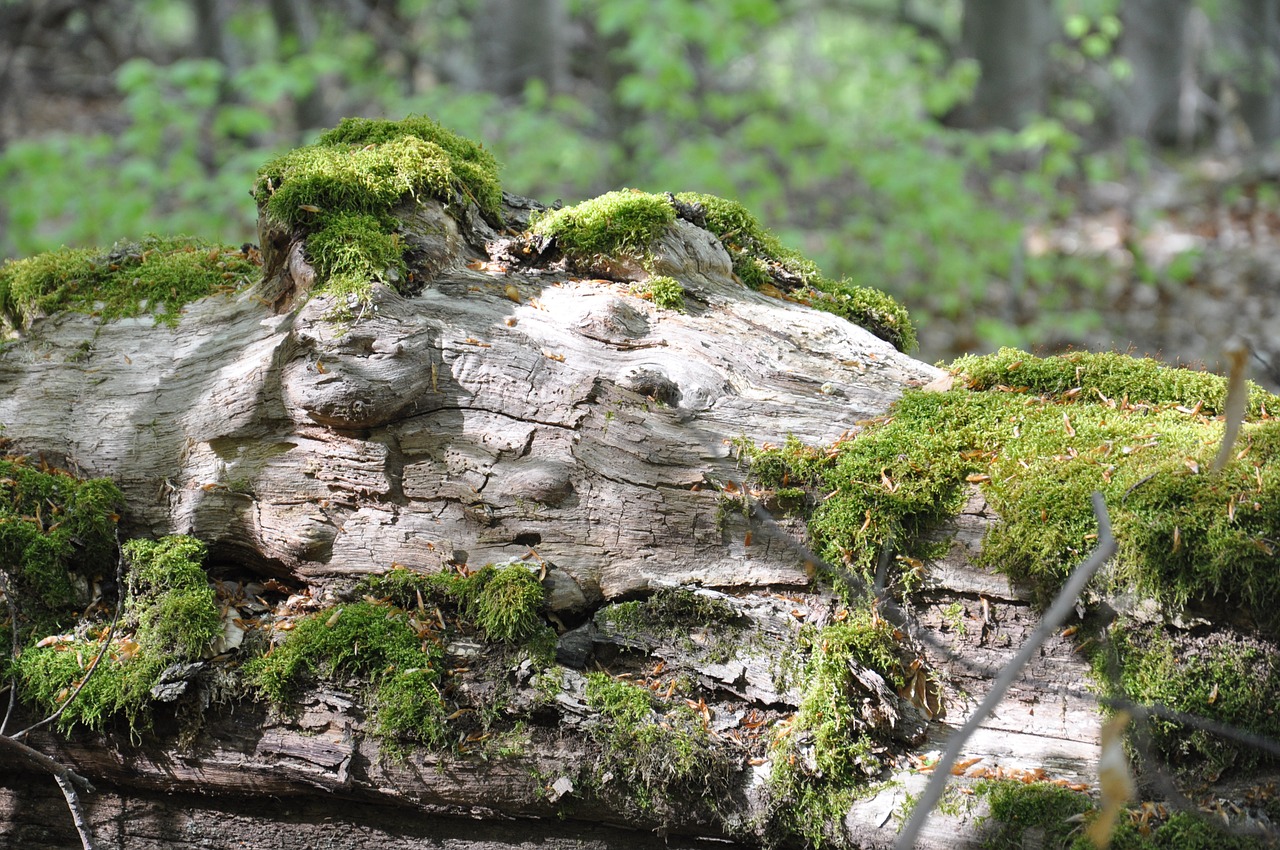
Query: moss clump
pixel 828 755
pixel 504 603
pixel 341 191
pixel 55 530
pixel 170 616
pixel 1106 376
pixel 673 614
pixel 1186 534
pixel 154 275
pixel 1017 806
pixel 663 761
pixel 170 601
pixel 621 223
pixel 867 308
pixel 366 166
pixel 1223 676
pixel 759 259
pixel 665 292
pixel 366 639
pixel 352 250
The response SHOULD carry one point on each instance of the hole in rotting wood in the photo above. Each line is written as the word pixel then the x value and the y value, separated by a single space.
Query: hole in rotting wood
pixel 527 538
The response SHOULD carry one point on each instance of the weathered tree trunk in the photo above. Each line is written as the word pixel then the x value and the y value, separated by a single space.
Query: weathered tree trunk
pixel 493 413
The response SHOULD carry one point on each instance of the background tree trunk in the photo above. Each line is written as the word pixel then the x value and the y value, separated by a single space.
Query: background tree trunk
pixel 1010 41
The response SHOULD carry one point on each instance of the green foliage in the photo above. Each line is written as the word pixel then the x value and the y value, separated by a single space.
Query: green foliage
pixel 865 307
pixel 1223 676
pixel 373 641
pixel 826 758
pixel 154 275
pixel 53 526
pixel 625 222
pixel 170 608
pixel 662 762
pixel 665 292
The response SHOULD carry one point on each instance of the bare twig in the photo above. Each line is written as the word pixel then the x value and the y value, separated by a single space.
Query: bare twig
pixel 1058 612
pixel 77 813
pixel 1237 402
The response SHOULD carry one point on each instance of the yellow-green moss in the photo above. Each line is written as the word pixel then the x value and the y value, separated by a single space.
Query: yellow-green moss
pixel 665 292
pixel 826 757
pixel 621 223
pixel 662 761
pixel 374 641
pixel 154 275
pixel 1185 533
pixel 1016 807
pixel 170 616
pixel 369 166
pixel 1221 675
pixel 340 192
pixel 54 526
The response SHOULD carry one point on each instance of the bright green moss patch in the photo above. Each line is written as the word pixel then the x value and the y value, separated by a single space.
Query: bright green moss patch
pixel 366 166
pixel 154 275
pixel 1017 806
pixel 391 640
pixel 865 307
pixel 621 223
pixel 1106 376
pixel 352 250
pixel 341 191
pixel 663 762
pixel 665 292
pixel 170 601
pixel 1185 533
pixel 375 641
pixel 505 603
pixel 827 757
pixel 54 527
pixel 170 616
pixel 1223 676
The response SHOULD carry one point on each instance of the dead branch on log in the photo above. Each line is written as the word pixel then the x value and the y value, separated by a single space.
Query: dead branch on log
pixel 1053 618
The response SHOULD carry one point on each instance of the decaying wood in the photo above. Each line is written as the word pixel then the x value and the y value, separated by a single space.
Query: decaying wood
pixel 495 412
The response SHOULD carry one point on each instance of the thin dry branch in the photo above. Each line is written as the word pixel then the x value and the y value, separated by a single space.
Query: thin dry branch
pixel 1058 612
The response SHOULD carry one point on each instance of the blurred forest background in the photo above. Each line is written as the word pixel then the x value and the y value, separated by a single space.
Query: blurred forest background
pixel 1080 172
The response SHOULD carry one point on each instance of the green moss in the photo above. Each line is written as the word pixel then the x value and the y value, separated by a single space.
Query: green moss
pixel 1186 534
pixel 665 292
pixel 170 616
pixel 365 166
pixel 340 192
pixel 865 307
pixel 663 762
pixel 1017 807
pixel 371 640
pixel 1106 376
pixel 672 614
pixel 53 527
pixel 1223 676
pixel 505 603
pixel 621 223
pixel 154 275
pixel 352 250
pixel 827 757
